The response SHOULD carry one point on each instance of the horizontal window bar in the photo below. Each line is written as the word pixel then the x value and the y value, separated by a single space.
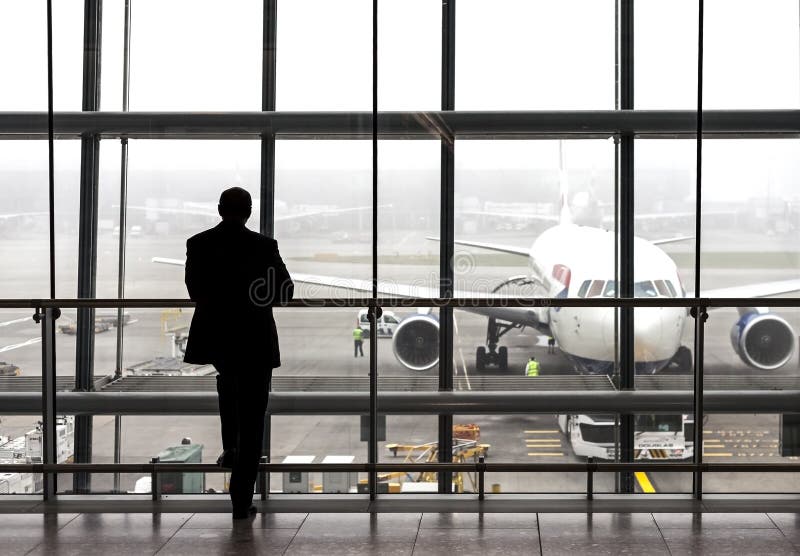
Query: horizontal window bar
pixel 419 125
pixel 600 467
pixel 458 302
pixel 416 403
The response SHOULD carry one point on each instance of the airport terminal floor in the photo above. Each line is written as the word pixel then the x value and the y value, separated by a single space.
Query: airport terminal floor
pixel 89 529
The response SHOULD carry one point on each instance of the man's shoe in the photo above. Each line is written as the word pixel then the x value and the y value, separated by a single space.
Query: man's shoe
pixel 244 514
pixel 226 458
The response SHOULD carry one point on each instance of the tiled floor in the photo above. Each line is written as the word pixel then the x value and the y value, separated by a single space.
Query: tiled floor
pixel 429 534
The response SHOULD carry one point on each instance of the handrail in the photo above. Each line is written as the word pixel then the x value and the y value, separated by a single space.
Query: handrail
pixel 462 302
pixel 599 467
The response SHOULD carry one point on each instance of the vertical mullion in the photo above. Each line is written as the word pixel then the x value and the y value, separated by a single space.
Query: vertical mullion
pixel 87 236
pixel 372 448
pixel 49 451
pixel 626 232
pixel 446 232
pixel 267 187
pixel 699 313
pixel 123 227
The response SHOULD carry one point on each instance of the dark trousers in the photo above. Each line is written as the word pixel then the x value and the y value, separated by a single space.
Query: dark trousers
pixel 243 396
pixel 357 348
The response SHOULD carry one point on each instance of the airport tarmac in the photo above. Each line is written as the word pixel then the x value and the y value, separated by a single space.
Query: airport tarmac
pixel 318 342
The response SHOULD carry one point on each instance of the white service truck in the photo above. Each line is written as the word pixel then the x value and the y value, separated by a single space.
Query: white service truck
pixel 656 437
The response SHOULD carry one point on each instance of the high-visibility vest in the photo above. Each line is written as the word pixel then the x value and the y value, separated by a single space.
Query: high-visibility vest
pixel 532 368
pixel 358 334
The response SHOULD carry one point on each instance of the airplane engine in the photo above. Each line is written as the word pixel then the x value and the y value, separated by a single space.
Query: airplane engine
pixel 416 342
pixel 763 340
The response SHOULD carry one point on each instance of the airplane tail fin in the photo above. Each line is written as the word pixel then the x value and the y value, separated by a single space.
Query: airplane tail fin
pixel 565 215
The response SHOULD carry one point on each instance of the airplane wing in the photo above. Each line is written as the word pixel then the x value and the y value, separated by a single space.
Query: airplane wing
pixel 527 316
pixel 21 215
pixel 167 260
pixel 518 315
pixel 512 249
pixel 546 218
pixel 670 240
pixel 763 289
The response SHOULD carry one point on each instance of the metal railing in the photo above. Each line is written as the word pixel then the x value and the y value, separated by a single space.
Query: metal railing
pixel 48 310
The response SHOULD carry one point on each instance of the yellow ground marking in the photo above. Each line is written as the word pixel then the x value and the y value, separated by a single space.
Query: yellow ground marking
pixel 559 454
pixel 644 482
pixel 549 431
pixel 718 454
pixel 539 446
pixel 540 440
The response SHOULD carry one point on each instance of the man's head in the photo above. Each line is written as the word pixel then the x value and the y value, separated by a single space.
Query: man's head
pixel 533 359
pixel 235 205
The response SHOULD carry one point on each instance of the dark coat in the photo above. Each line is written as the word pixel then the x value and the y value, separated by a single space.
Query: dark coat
pixel 235 275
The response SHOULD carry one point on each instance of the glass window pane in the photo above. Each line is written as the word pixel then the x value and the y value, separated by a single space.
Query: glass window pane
pixel 324 55
pixel 523 55
pixel 193 55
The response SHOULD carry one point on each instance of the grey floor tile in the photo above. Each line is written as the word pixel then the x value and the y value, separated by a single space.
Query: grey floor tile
pixel 33 526
pixel 55 548
pixel 360 527
pixel 482 542
pixel 260 521
pixel 714 521
pixel 338 548
pixel 234 540
pixel 475 520
pixel 712 542
pixel 147 529
pixel 571 546
pixel 599 527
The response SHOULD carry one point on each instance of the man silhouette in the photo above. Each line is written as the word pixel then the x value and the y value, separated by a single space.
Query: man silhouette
pixel 235 275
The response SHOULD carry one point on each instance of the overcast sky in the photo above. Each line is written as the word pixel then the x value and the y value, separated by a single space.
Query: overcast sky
pixel 510 55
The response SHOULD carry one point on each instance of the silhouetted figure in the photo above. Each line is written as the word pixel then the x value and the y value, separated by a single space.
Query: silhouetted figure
pixel 235 275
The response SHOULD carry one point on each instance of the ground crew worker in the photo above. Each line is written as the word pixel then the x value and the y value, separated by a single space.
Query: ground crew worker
pixel 532 368
pixel 358 340
pixel 551 344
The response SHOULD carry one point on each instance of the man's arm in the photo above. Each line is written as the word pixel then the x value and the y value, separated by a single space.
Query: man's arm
pixel 194 279
pixel 283 282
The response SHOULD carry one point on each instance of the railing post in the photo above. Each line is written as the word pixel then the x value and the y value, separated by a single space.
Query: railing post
pixel 590 468
pixel 263 486
pixel 155 482
pixel 481 477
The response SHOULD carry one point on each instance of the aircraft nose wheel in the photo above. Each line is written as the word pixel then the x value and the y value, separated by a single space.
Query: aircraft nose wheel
pixel 495 356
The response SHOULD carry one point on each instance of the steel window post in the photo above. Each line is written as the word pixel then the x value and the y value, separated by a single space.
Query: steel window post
pixel 123 228
pixel 626 232
pixel 87 235
pixel 374 309
pixel 267 196
pixel 699 312
pixel 447 237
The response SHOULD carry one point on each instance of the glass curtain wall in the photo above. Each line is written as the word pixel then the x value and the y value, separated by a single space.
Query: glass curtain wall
pixel 521 153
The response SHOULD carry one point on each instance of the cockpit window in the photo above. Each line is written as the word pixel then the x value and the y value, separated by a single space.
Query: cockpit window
pixel 596 289
pixel 672 291
pixel 644 289
pixel 584 288
pixel 661 286
pixel 611 289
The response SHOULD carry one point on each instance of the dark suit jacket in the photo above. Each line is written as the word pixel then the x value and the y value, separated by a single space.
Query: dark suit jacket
pixel 235 275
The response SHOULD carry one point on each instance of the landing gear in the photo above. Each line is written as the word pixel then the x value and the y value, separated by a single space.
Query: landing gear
pixel 495 356
pixel 682 360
